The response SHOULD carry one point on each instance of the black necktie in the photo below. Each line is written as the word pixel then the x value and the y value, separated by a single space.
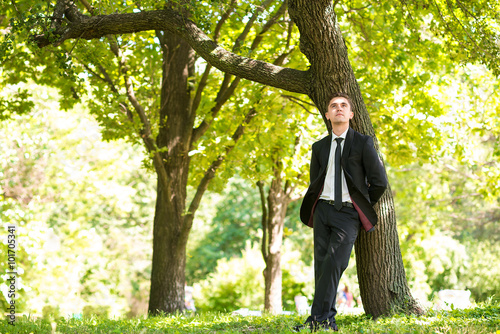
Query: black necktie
pixel 338 180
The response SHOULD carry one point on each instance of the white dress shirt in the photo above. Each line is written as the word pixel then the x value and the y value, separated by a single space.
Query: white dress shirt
pixel 329 187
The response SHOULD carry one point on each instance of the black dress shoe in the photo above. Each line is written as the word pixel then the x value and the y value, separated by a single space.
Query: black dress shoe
pixel 330 326
pixel 311 324
pixel 298 328
pixel 315 326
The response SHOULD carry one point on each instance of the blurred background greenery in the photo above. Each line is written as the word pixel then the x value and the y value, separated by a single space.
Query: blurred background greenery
pixel 84 209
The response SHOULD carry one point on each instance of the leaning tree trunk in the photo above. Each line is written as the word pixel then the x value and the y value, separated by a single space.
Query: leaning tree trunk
pixel 381 273
pixel 170 232
pixel 378 258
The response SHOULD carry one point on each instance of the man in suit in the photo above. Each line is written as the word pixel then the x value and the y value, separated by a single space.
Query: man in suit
pixel 347 178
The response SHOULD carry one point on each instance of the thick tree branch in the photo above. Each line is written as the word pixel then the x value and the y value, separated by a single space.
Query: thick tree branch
pixel 58 14
pixel 93 27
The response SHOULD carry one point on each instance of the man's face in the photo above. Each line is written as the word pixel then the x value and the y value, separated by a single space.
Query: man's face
pixel 339 110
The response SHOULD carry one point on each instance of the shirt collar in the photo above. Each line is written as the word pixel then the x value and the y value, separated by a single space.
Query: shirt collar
pixel 334 136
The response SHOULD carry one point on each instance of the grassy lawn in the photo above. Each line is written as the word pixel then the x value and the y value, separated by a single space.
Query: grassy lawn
pixel 483 319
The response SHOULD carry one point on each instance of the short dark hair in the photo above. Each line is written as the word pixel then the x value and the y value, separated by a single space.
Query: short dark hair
pixel 341 94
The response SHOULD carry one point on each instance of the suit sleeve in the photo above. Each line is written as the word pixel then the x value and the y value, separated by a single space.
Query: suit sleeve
pixel 375 172
pixel 315 166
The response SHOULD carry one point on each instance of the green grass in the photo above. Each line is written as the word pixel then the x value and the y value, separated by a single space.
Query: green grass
pixel 483 319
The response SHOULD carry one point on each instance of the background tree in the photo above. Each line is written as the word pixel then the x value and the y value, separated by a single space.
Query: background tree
pixel 171 118
pixel 277 163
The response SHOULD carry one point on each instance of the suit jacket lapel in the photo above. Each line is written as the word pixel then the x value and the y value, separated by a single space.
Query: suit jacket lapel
pixel 347 146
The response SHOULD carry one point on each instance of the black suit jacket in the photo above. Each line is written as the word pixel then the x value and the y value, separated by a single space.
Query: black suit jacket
pixel 364 172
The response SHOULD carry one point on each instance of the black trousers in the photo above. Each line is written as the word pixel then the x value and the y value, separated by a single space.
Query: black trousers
pixel 334 236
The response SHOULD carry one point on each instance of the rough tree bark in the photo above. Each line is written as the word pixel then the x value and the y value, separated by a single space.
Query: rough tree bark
pixel 381 273
pixel 169 240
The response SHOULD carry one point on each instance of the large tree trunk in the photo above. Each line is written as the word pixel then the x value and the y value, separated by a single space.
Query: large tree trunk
pixel 381 273
pixel 170 232
pixel 169 258
pixel 173 221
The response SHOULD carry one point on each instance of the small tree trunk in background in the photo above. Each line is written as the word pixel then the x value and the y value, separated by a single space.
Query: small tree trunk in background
pixel 273 222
